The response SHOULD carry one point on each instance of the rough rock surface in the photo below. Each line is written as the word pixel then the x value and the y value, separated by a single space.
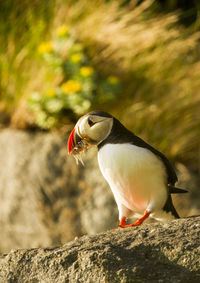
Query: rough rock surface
pixel 46 199
pixel 149 253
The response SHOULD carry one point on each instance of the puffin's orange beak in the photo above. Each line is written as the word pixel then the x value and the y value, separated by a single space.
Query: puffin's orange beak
pixel 71 142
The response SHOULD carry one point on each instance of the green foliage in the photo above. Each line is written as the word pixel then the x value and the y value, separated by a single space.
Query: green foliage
pixel 22 25
pixel 159 63
pixel 156 58
pixel 79 85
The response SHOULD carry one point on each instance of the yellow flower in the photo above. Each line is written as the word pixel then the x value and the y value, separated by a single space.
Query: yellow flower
pixel 62 31
pixel 113 80
pixel 76 58
pixel 86 71
pixel 50 93
pixel 45 47
pixel 71 86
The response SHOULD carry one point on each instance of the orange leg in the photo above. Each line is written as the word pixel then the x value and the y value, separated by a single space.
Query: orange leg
pixel 121 224
pixel 137 223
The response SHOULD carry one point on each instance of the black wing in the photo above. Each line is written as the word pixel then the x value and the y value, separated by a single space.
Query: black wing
pixel 172 177
pixel 119 134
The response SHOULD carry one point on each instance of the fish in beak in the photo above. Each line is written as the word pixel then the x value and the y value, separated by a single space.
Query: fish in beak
pixel 76 145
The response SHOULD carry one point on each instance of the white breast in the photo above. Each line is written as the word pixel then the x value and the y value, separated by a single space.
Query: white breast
pixel 136 176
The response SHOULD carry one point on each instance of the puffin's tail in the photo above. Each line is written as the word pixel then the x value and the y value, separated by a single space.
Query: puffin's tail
pixel 175 190
pixel 169 207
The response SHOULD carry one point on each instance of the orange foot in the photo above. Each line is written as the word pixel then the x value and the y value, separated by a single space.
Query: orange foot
pixel 122 223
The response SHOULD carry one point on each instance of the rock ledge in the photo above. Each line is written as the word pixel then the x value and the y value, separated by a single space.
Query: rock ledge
pixel 150 253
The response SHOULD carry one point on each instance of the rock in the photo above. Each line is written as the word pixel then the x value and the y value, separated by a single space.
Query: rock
pixel 188 204
pixel 46 199
pixel 149 253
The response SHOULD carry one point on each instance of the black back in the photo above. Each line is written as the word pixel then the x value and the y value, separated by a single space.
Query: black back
pixel 119 134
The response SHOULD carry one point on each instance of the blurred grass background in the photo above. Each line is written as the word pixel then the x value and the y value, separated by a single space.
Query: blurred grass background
pixel 150 49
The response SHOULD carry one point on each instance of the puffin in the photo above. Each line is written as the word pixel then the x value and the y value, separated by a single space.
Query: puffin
pixel 140 177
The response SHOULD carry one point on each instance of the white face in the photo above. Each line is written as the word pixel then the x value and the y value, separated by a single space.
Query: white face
pixel 94 128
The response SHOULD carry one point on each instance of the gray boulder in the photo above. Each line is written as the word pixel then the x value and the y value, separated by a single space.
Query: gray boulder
pixel 45 198
pixel 149 253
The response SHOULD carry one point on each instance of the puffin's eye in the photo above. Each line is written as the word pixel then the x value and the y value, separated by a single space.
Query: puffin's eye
pixel 90 122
